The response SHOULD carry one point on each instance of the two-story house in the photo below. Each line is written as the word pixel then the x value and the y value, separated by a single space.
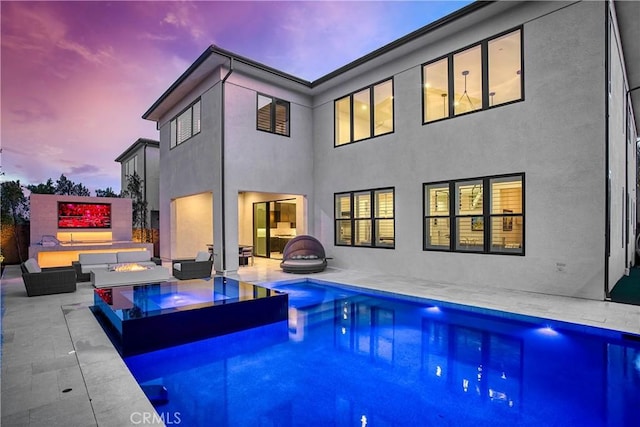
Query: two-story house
pixel 494 147
pixel 143 158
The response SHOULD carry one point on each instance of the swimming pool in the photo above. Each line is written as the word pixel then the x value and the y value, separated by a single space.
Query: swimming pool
pixel 347 358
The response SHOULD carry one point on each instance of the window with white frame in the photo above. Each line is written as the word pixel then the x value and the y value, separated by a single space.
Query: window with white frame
pixel 483 215
pixel 479 77
pixel 365 218
pixel 364 114
pixel 186 124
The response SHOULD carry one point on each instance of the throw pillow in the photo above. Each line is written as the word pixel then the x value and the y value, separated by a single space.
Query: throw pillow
pixel 32 266
pixel 202 256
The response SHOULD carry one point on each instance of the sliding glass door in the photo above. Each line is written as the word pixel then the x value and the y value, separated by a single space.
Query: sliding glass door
pixel 274 224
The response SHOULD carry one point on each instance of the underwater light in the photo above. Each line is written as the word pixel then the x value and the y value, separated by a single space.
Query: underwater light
pixel 548 331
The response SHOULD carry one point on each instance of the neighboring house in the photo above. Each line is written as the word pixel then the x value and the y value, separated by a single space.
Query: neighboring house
pixel 143 158
pixel 494 147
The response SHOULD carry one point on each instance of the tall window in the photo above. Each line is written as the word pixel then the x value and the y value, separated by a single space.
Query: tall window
pixel 364 114
pixel 131 166
pixel 476 78
pixel 437 226
pixel 469 218
pixel 484 215
pixel 365 218
pixel 273 115
pixel 436 90
pixel 186 124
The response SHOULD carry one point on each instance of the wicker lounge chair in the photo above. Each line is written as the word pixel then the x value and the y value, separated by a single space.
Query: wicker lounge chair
pixel 303 254
pixel 193 268
pixel 47 281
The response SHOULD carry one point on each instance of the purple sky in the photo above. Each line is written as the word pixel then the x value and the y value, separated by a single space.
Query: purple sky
pixel 77 76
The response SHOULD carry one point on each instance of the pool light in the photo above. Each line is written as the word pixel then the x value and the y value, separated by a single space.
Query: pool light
pixel 548 331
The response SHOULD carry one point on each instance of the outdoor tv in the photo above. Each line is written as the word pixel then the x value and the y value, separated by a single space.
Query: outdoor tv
pixel 84 215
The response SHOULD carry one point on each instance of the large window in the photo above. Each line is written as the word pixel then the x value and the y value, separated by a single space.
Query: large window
pixel 273 115
pixel 364 114
pixel 186 124
pixel 365 218
pixel 475 215
pixel 476 78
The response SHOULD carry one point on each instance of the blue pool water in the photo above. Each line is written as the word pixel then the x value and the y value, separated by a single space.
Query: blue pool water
pixel 351 359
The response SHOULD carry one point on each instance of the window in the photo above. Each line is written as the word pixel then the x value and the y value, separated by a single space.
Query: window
pixel 469 218
pixel 479 77
pixel 365 218
pixel 364 114
pixel 131 166
pixel 186 124
pixel 436 90
pixel 467 80
pixel 436 225
pixel 484 215
pixel 273 115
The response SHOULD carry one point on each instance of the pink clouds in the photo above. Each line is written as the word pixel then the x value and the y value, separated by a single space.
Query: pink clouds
pixel 77 76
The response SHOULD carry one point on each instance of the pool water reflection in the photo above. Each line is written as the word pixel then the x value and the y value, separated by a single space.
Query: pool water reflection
pixel 352 359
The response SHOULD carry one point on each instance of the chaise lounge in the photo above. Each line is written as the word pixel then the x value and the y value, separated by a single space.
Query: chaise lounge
pixel 303 254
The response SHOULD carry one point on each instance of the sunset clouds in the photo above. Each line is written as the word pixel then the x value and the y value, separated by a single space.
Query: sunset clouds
pixel 77 76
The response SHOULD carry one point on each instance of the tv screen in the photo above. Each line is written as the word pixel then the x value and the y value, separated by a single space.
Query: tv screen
pixel 84 215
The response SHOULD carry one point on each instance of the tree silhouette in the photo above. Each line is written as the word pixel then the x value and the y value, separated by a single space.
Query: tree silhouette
pixel 62 186
pixel 67 187
pixel 107 192
pixel 45 188
pixel 135 191
pixel 15 209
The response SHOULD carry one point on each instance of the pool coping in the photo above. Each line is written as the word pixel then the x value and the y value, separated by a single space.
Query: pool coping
pixel 492 312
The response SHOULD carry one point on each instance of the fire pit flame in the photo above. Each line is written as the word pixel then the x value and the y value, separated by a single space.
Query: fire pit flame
pixel 130 267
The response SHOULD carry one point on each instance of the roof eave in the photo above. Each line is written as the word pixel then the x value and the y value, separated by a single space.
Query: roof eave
pixel 135 145
pixel 305 83
pixel 406 39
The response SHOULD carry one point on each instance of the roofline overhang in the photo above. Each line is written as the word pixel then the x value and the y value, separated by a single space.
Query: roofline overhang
pixel 215 50
pixel 470 8
pixel 138 143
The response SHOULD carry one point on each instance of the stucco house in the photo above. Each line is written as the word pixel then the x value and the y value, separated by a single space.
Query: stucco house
pixel 143 157
pixel 493 147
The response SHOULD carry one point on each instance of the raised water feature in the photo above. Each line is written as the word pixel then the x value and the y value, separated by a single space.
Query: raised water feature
pixel 142 318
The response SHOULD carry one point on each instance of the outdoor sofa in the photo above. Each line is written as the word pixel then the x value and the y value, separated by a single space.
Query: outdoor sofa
pixel 47 281
pixel 106 260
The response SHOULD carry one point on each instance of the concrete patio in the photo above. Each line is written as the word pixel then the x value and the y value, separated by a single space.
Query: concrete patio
pixel 60 369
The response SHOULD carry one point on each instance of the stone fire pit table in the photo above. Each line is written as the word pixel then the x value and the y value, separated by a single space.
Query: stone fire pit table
pixel 106 278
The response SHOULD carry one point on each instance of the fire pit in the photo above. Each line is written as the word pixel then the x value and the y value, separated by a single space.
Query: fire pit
pixel 128 274
pixel 129 267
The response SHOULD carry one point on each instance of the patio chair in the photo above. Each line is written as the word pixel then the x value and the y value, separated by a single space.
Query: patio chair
pixel 245 253
pixel 193 268
pixel 47 281
pixel 303 254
